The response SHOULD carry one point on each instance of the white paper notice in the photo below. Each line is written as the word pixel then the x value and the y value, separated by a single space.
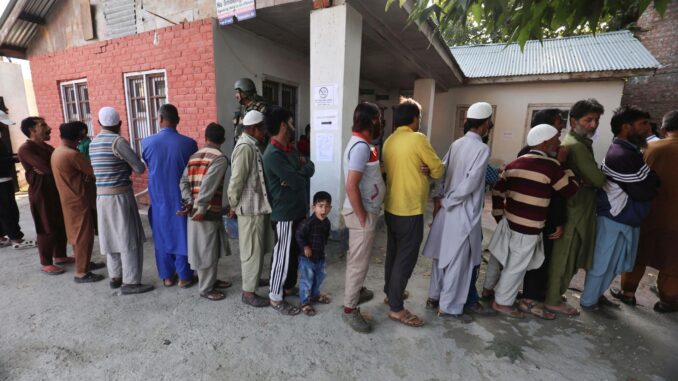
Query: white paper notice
pixel 507 135
pixel 325 120
pixel 324 147
pixel 325 95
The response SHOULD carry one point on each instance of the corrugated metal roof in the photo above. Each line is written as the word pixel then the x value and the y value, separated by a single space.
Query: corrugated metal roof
pixel 21 32
pixel 603 52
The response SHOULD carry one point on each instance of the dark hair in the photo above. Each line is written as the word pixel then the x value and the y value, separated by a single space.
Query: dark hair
pixel 169 113
pixel 626 114
pixel 215 133
pixel 322 196
pixel 274 117
pixel 406 111
pixel 29 123
pixel 71 130
pixel 545 116
pixel 670 121
pixel 473 124
pixel 584 107
pixel 362 116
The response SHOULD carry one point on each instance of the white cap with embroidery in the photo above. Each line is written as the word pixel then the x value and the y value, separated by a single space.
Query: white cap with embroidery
pixel 479 110
pixel 540 133
pixel 108 117
pixel 253 117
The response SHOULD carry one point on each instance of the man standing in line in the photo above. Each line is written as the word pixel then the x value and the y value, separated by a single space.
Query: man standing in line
pixel 43 197
pixel 406 151
pixel 10 231
pixel 623 203
pixel 121 234
pixel 287 180
pixel 454 242
pixel 659 230
pixel 522 196
pixel 575 249
pixel 248 199
pixel 74 179
pixel 201 191
pixel 166 155
pixel 365 191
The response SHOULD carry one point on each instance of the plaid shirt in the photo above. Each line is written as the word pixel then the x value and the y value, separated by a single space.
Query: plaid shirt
pixel 314 233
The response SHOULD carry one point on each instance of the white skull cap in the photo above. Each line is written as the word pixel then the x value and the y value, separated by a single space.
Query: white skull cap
pixel 479 110
pixel 108 117
pixel 540 133
pixel 253 117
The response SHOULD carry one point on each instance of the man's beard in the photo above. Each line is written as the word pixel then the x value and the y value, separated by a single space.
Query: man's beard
pixel 581 131
pixel 637 140
pixel 486 139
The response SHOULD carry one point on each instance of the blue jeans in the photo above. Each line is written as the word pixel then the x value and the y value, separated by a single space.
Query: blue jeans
pixel 311 277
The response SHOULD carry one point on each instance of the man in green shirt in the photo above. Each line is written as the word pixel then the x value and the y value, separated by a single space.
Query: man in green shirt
pixel 287 177
pixel 574 250
pixel 83 146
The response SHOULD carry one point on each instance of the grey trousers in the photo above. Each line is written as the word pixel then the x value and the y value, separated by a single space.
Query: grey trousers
pixel 207 277
pixel 127 266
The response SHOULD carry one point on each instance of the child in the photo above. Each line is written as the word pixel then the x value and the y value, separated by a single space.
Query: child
pixel 312 235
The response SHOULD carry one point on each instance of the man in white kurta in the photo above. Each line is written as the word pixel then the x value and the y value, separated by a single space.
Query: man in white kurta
pixel 454 242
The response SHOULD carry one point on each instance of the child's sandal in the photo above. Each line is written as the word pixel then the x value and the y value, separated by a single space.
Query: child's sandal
pixel 308 310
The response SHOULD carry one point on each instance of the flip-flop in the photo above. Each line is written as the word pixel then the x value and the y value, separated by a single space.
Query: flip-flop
pixel 24 245
pixel 534 309
pixel 514 313
pixel 409 319
pixel 284 308
pixel 213 295
pixel 54 270
pixel 570 311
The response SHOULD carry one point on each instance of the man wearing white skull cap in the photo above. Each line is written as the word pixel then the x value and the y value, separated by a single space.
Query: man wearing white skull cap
pixel 454 242
pixel 248 199
pixel 520 202
pixel 121 234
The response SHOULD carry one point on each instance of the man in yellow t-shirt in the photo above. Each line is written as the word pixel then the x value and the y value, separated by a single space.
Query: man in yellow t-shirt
pixel 410 163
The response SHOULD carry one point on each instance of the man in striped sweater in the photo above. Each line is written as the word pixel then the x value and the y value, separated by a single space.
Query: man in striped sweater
pixel 522 196
pixel 121 234
pixel 623 203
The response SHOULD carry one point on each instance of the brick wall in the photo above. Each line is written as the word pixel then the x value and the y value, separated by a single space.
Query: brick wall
pixel 657 93
pixel 185 51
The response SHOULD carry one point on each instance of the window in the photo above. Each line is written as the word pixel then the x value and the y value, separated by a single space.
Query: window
pixel 532 109
pixel 461 116
pixel 75 102
pixel 145 93
pixel 281 94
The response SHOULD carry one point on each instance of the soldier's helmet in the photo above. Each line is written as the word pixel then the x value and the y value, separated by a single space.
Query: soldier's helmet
pixel 245 85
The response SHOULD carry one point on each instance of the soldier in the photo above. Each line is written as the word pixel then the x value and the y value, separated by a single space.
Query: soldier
pixel 246 95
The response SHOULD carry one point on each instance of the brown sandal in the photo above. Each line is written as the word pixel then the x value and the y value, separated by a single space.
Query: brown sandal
pixel 513 313
pixel 408 318
pixel 322 299
pixel 533 308
pixel 213 295
pixel 406 295
pixel 567 310
pixel 308 310
pixel 222 284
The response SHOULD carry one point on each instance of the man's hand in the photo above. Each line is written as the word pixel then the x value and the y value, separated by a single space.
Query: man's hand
pixel 185 211
pixel 424 169
pixel 308 252
pixel 362 219
pixel 230 214
pixel 198 217
pixel 556 234
pixel 437 205
pixel 563 152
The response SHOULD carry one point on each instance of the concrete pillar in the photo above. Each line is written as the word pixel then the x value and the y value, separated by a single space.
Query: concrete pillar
pixel 336 34
pixel 425 93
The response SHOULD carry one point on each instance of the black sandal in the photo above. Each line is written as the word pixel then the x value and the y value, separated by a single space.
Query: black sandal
pixel 619 294
pixel 255 300
pixel 285 308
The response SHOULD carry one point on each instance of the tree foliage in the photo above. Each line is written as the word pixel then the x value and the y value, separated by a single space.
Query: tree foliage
pixel 486 21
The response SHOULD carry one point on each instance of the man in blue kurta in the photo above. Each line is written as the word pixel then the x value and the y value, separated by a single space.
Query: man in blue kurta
pixel 166 155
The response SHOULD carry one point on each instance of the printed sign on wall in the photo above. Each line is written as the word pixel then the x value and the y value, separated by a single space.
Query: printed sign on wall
pixel 230 11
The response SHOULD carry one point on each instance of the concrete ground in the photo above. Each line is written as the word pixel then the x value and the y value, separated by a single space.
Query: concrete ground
pixel 54 329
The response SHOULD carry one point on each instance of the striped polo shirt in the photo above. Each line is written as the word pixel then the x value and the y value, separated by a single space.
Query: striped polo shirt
pixel 523 193
pixel 110 171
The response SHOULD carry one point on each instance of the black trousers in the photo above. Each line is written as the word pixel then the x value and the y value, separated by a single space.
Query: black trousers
pixel 404 236
pixel 293 255
pixel 9 212
pixel 534 282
